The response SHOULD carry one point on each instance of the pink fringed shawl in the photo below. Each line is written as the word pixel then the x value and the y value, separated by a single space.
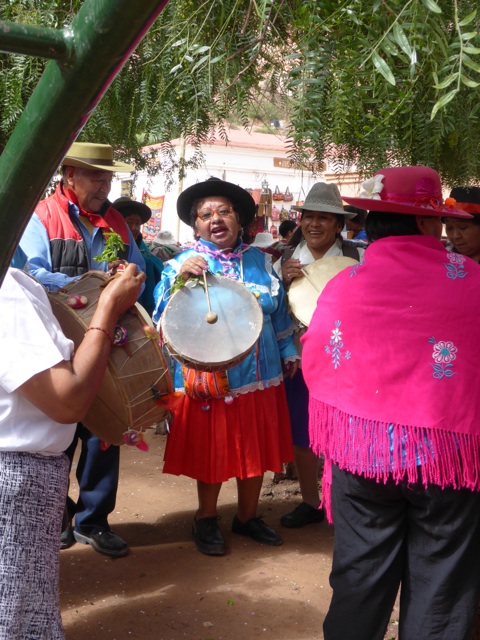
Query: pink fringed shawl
pixel 392 362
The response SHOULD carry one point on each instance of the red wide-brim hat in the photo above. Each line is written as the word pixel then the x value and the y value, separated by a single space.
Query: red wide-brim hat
pixel 410 190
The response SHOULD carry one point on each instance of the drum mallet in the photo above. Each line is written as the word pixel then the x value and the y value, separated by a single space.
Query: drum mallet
pixel 211 316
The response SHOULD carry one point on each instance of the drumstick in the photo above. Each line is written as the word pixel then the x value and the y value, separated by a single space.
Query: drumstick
pixel 310 280
pixel 211 317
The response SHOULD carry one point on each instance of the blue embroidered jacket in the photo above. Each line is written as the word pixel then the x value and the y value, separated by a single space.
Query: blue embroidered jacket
pixel 276 340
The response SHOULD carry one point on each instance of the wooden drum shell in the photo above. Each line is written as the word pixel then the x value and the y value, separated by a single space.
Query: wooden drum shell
pixel 137 373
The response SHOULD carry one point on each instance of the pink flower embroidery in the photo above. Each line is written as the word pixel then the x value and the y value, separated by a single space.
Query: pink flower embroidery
pixel 444 352
pixel 456 258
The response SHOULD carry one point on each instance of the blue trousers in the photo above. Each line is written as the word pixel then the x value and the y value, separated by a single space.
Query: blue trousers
pixel 387 535
pixel 97 475
pixel 297 398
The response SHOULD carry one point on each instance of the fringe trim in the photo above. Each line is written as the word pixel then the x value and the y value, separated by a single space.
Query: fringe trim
pixel 382 450
pixel 327 490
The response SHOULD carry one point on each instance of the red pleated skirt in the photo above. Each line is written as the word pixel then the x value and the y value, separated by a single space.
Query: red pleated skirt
pixel 238 440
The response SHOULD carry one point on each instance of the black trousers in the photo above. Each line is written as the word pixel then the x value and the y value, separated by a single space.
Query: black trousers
pixel 387 535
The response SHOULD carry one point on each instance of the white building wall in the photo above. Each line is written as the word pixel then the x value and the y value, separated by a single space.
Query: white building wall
pixel 248 160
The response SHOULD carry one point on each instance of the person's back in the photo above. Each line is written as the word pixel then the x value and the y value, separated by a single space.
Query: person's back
pixel 391 342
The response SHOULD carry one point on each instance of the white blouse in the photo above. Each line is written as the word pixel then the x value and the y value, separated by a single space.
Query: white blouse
pixel 303 253
pixel 31 341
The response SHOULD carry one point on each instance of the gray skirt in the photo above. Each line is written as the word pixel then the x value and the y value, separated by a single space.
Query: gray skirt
pixel 32 499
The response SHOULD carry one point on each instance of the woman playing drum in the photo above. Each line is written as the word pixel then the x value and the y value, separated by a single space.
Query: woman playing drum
pixel 247 432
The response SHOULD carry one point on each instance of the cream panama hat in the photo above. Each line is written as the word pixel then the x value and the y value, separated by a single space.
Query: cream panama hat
pixel 89 155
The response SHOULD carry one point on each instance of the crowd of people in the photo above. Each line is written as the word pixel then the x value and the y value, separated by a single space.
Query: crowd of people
pixel 380 387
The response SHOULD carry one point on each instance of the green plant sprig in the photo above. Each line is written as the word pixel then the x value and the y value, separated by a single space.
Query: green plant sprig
pixel 180 282
pixel 113 245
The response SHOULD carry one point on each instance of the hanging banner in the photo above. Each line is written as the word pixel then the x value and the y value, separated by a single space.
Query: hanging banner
pixel 153 226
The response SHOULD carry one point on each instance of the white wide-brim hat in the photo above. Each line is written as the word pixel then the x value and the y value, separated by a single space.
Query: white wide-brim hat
pixel 164 237
pixel 263 240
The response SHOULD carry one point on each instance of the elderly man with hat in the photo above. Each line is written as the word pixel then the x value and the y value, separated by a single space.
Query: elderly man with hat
pixel 239 426
pixel 62 238
pixel 390 359
pixel 137 214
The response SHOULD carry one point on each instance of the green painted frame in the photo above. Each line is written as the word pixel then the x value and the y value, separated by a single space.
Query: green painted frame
pixel 84 60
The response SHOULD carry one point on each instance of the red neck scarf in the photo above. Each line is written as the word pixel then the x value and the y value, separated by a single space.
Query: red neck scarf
pixel 95 218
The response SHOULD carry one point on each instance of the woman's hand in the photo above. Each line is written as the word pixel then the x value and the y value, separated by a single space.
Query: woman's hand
pixel 194 266
pixel 290 368
pixel 291 269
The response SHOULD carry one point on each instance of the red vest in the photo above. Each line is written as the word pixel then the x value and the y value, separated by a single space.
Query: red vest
pixel 67 246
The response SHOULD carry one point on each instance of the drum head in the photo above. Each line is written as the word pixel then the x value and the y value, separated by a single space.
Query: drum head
pixel 303 293
pixel 194 342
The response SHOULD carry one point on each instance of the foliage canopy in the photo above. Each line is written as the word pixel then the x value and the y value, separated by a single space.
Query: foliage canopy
pixel 365 82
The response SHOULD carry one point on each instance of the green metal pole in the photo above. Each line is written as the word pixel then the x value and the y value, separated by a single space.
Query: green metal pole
pixel 102 36
pixel 33 41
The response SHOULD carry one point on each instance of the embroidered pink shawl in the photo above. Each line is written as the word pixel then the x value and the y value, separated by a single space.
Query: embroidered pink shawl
pixel 392 362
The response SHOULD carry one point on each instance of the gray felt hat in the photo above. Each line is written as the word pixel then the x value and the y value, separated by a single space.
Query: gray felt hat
pixel 324 197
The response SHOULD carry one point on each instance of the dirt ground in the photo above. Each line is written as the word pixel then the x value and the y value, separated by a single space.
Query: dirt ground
pixel 166 590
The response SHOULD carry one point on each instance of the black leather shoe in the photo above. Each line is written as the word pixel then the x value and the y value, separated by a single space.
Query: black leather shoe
pixel 105 542
pixel 67 539
pixel 256 529
pixel 208 537
pixel 302 515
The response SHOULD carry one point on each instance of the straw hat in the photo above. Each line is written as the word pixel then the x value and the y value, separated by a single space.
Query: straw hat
pixel 89 155
pixel 323 197
pixel 216 187
pixel 412 190
pixel 126 206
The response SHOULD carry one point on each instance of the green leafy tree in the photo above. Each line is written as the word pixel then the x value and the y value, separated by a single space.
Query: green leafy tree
pixel 362 82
